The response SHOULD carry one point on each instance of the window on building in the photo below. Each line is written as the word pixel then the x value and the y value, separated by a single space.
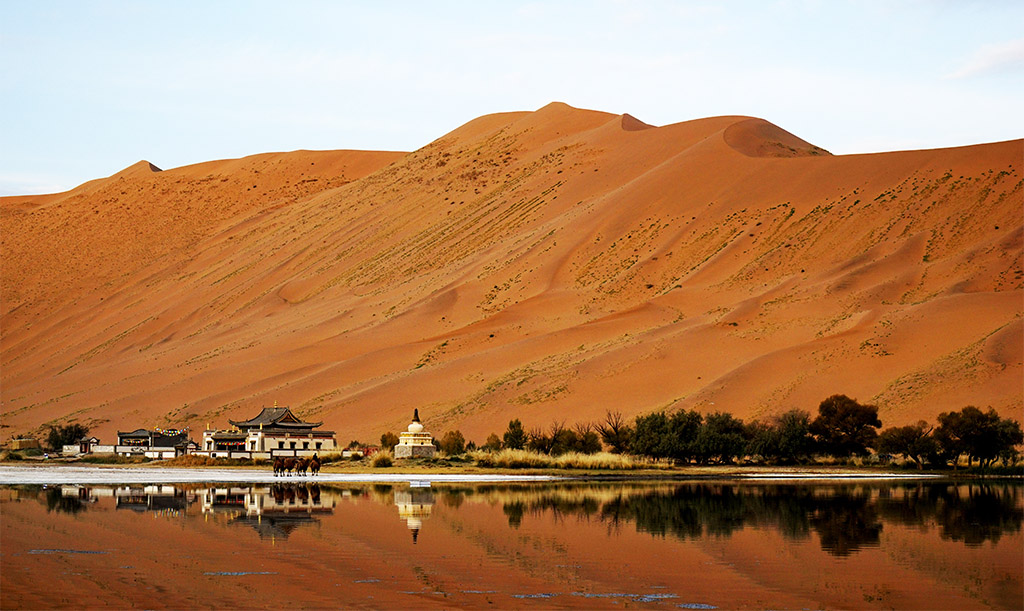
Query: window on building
pixel 305 445
pixel 252 445
pixel 280 445
pixel 292 445
pixel 318 444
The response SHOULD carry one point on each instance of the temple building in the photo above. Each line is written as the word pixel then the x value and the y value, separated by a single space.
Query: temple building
pixel 276 431
pixel 158 443
pixel 415 442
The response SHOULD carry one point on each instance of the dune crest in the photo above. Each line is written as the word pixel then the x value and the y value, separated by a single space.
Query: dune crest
pixel 545 265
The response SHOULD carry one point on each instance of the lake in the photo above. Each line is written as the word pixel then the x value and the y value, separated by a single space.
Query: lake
pixel 691 545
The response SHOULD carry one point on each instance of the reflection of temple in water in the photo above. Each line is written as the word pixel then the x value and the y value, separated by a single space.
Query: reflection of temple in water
pixel 273 511
pixel 414 505
pixel 160 498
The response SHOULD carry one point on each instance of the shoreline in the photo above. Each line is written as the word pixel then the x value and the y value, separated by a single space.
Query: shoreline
pixel 121 474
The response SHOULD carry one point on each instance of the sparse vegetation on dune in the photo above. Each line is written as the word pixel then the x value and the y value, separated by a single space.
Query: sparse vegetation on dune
pixel 538 265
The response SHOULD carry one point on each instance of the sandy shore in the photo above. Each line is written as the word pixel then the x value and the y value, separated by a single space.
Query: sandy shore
pixel 49 474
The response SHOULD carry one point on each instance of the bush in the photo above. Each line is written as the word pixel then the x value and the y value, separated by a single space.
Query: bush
pixel 382 459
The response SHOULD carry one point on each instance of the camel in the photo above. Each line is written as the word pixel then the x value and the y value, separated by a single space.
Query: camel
pixel 314 465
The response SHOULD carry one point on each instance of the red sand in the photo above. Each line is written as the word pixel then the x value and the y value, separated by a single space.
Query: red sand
pixel 548 265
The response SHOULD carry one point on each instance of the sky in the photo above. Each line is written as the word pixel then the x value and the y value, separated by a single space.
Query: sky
pixel 88 88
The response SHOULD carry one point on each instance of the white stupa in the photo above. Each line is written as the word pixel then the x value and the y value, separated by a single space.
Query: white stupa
pixel 415 442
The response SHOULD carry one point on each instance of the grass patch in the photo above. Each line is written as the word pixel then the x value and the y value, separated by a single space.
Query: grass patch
pixel 525 459
pixel 382 459
pixel 113 459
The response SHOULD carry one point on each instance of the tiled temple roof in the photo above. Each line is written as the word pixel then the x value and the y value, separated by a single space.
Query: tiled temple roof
pixel 277 417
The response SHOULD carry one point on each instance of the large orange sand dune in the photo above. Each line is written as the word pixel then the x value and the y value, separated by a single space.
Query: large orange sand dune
pixel 547 265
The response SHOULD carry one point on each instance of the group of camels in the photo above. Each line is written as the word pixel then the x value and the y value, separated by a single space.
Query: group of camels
pixel 285 466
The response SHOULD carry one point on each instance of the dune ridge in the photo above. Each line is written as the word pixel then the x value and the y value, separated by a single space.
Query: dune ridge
pixel 547 265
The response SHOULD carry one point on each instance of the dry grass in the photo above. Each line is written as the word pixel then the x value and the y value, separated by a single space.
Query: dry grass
pixel 382 459
pixel 525 459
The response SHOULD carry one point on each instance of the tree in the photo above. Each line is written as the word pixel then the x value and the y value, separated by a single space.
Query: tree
pixel 659 435
pixel 515 436
pixel 388 440
pixel 983 436
pixel 844 427
pixel 913 441
pixel 493 443
pixel 65 435
pixel 684 426
pixel 785 439
pixel 721 438
pixel 615 433
pixel 651 436
pixel 587 441
pixel 795 440
pixel 453 443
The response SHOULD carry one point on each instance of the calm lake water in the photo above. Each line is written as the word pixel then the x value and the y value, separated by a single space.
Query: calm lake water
pixel 924 545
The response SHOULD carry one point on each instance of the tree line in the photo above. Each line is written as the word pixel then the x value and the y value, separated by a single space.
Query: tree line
pixel 843 428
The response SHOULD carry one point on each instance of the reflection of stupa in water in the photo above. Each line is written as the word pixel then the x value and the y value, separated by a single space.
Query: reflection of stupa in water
pixel 415 442
pixel 414 506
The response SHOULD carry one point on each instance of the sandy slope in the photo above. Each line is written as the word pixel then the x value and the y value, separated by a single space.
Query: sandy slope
pixel 546 265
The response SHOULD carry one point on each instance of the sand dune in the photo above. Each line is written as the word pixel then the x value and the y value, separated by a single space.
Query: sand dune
pixel 546 265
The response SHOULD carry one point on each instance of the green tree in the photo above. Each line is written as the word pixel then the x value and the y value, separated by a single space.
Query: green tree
pixel 684 427
pixel 721 438
pixel 844 427
pixel 65 435
pixel 651 435
pixel 982 436
pixel 453 443
pixel 515 436
pixel 795 440
pixel 913 441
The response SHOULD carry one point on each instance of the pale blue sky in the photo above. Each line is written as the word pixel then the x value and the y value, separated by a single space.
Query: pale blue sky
pixel 88 88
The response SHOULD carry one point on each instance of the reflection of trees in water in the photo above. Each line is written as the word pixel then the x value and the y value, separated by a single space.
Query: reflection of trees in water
pixel 971 513
pixel 845 518
pixel 56 501
pixel 981 513
pixel 845 523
